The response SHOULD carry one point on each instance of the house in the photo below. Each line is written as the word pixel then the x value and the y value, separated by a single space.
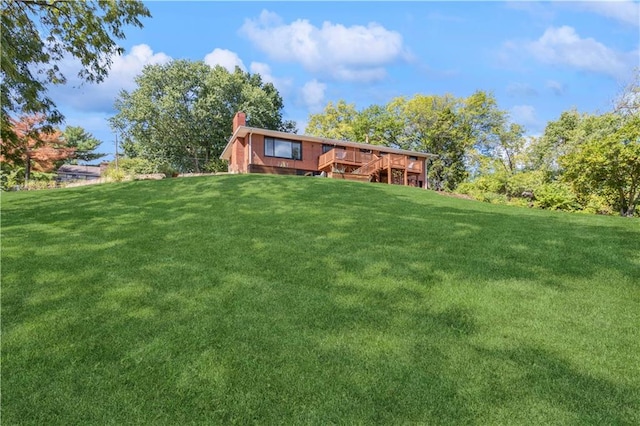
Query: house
pixel 72 172
pixel 254 150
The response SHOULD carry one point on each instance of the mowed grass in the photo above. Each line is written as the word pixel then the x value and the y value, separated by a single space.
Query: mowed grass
pixel 292 300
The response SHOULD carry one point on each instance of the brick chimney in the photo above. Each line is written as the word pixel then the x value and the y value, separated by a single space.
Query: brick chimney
pixel 240 119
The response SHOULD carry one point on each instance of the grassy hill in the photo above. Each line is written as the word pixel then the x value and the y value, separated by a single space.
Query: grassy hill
pixel 271 299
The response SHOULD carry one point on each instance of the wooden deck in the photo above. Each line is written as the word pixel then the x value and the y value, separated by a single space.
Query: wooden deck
pixel 343 157
pixel 370 166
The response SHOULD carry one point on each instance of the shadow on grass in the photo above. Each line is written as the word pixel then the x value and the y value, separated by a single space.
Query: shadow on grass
pixel 270 299
pixel 560 389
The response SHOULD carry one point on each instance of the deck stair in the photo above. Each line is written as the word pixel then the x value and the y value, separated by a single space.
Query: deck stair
pixel 373 166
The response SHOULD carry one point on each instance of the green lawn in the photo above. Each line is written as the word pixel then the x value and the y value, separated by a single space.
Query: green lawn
pixel 272 299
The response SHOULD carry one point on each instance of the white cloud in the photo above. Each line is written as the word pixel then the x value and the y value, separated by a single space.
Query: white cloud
pixel 100 97
pixel 521 89
pixel 556 87
pixel 563 46
pixel 356 53
pixel 627 12
pixel 313 94
pixel 524 115
pixel 282 84
pixel 263 69
pixel 225 58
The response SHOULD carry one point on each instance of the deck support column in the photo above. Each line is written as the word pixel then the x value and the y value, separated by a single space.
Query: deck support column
pixel 406 178
pixel 389 174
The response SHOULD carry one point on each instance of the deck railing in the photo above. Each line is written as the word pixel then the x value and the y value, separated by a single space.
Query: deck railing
pixel 371 167
pixel 344 156
pixel 368 162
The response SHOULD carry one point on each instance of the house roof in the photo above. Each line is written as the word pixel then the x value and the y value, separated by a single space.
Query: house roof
pixel 243 131
pixel 79 170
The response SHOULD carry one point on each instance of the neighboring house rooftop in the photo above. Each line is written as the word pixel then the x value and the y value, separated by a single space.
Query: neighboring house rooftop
pixel 71 172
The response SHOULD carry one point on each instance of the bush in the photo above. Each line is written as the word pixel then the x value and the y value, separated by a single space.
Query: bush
pixel 33 185
pixel 556 196
pixel 167 170
pixel 136 166
pixel 493 198
pixel 113 174
pixel 11 178
pixel 466 188
pixel 598 204
pixel 519 183
pixel 216 165
pixel 495 183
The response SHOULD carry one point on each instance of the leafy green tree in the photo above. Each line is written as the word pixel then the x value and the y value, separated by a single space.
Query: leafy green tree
pixel 378 125
pixel 558 138
pixel 608 163
pixel 484 123
pixel 375 124
pixel 444 125
pixel 433 124
pixel 336 121
pixel 510 147
pixel 83 143
pixel 181 113
pixel 37 35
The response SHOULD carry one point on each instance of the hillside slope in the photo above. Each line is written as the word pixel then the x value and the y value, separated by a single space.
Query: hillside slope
pixel 273 299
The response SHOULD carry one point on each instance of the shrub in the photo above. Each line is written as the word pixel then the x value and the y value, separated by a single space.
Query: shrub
pixel 11 178
pixel 113 174
pixel 556 196
pixel 216 165
pixel 598 204
pixel 137 166
pixel 524 182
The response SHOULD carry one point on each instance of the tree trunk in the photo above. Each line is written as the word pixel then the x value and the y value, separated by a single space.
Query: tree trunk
pixel 27 169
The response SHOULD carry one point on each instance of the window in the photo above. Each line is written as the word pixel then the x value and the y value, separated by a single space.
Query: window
pixel 282 149
pixel 326 148
pixel 414 158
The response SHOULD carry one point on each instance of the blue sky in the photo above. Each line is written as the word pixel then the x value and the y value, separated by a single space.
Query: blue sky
pixel 538 58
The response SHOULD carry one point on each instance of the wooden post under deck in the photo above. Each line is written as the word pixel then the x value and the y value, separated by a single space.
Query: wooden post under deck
pixel 406 181
pixel 389 173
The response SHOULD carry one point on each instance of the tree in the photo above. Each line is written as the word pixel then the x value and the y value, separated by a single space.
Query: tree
pixel 558 138
pixel 379 125
pixel 484 123
pixel 38 34
pixel 608 162
pixel 510 147
pixel 375 124
pixel 434 124
pixel 627 103
pixel 444 125
pixel 83 144
pixel 336 121
pixel 34 148
pixel 181 113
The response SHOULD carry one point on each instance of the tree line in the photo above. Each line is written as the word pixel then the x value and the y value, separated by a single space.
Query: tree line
pixel 582 162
